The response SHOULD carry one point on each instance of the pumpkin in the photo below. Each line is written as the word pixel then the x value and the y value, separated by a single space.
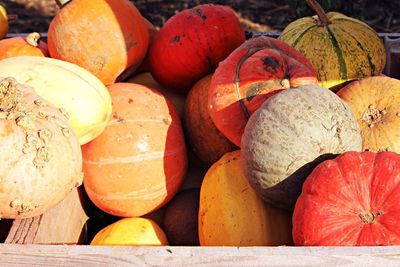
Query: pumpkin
pixel 147 79
pixel 207 142
pixel 248 76
pixel 69 87
pixel 41 157
pixel 131 232
pixel 350 201
pixel 374 102
pixel 23 46
pixel 232 214
pixel 292 132
pixel 3 22
pixel 339 47
pixel 139 161
pixel 181 218
pixel 192 43
pixel 103 36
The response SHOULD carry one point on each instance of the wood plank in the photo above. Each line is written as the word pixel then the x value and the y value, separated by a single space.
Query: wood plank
pixel 63 224
pixel 53 255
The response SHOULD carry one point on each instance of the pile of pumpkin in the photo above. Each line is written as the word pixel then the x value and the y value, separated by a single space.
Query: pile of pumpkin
pixel 295 137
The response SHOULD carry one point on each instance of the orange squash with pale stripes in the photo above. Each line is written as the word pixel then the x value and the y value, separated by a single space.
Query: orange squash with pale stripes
pixel 339 47
pixel 139 161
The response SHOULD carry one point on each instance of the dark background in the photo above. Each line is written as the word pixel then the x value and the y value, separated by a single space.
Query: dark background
pixel 383 16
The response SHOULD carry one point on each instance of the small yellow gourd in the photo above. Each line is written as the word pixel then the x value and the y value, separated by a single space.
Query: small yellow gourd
pixel 3 22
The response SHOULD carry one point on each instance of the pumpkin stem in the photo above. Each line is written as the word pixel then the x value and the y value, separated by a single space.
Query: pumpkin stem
pixel 62 3
pixel 369 217
pixel 33 39
pixel 373 115
pixel 323 19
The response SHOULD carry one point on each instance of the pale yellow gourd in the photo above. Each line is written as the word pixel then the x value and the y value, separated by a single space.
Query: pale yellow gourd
pixel 81 94
pixel 3 22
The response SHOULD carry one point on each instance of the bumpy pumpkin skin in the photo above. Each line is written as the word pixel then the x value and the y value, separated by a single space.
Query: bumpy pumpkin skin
pixel 344 50
pixel 352 200
pixel 139 161
pixel 131 232
pixel 231 213
pixel 248 76
pixel 103 36
pixel 192 43
pixel 375 102
pixel 289 134
pixel 207 142
pixel 23 46
pixel 41 157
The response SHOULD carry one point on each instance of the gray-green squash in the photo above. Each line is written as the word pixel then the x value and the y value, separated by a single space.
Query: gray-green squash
pixel 289 135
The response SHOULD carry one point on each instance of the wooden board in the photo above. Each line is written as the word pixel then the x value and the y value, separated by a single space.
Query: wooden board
pixel 63 224
pixel 42 255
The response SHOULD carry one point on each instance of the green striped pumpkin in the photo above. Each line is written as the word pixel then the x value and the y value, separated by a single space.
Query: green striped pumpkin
pixel 339 47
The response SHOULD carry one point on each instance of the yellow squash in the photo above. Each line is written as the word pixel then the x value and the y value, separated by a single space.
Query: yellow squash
pixel 3 22
pixel 340 48
pixel 232 214
pixel 131 231
pixel 70 87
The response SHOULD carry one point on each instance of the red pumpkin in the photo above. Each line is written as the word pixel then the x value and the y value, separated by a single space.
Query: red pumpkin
pixel 192 43
pixel 352 200
pixel 23 46
pixel 253 72
pixel 207 142
pixel 139 161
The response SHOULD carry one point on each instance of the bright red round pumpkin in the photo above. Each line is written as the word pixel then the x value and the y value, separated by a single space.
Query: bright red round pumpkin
pixel 139 161
pixel 352 200
pixel 23 46
pixel 248 76
pixel 192 43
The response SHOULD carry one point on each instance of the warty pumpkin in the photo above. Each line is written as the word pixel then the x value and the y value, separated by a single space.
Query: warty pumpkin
pixel 41 160
pixel 103 36
pixel 139 161
pixel 192 43
pixel 23 46
pixel 253 72
pixel 231 213
pixel 75 90
pixel 289 134
pixel 375 102
pixel 352 200
pixel 340 48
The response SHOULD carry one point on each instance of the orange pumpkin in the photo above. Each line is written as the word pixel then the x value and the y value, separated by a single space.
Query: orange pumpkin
pixel 41 160
pixel 207 142
pixel 139 161
pixel 103 36
pixel 23 46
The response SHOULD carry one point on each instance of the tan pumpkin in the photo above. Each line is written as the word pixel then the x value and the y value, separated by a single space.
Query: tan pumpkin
pixel 41 160
pixel 232 214
pixel 375 102
pixel 289 134
pixel 340 48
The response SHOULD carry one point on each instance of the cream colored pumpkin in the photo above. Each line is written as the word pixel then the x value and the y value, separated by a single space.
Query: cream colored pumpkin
pixel 70 87
pixel 40 159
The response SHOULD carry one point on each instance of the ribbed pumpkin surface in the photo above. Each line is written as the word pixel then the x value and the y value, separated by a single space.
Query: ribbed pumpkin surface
pixel 344 50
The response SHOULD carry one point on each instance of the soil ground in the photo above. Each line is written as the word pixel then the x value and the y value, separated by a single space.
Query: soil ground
pixel 258 16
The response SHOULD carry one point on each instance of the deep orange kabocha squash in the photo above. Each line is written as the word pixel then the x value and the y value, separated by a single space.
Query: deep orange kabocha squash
pixel 352 200
pixel 248 76
pixel 139 161
pixel 103 36
pixel 23 46
pixel 192 43
pixel 207 142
